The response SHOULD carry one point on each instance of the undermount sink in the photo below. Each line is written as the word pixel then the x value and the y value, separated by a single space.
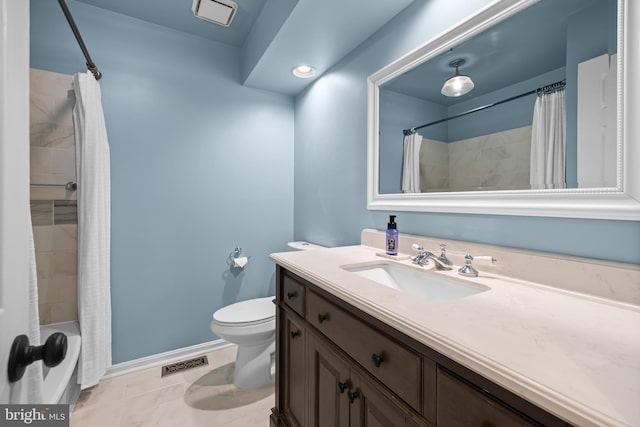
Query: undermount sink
pixel 423 284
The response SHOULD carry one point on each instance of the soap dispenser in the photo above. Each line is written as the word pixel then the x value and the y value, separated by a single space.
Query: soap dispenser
pixel 392 236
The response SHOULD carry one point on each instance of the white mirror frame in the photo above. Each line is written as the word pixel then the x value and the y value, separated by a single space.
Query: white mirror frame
pixel 621 202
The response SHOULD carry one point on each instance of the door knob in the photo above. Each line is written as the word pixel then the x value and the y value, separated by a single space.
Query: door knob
pixel 22 354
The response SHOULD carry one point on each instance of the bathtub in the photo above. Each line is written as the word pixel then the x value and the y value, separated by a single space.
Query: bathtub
pixel 60 383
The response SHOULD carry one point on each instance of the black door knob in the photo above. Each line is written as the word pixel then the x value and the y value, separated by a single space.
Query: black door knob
pixel 22 354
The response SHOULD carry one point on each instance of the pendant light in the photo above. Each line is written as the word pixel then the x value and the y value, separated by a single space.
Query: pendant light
pixel 458 84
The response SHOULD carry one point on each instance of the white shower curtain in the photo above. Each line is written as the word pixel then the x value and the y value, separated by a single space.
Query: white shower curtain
pixel 33 373
pixel 411 163
pixel 548 135
pixel 94 227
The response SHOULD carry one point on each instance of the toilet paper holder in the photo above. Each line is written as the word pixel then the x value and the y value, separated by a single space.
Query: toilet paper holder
pixel 235 253
pixel 235 260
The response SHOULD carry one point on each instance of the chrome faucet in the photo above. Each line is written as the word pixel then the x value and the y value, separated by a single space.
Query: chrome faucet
pixel 421 258
pixel 467 269
pixel 443 257
pixel 442 262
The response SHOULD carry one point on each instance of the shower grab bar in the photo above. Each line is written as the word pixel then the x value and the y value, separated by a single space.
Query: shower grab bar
pixel 69 186
pixel 90 64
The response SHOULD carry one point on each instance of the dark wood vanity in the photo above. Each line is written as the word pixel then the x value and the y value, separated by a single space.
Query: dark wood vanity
pixel 339 366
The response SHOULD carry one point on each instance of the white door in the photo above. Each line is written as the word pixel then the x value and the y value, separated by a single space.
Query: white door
pixel 14 185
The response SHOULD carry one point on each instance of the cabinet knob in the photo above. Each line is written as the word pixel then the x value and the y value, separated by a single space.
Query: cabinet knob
pixel 291 295
pixel 295 334
pixel 353 395
pixel 377 359
pixel 322 317
pixel 343 386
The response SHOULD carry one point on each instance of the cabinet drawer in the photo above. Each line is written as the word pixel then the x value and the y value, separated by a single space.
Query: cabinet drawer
pixel 293 294
pixel 459 404
pixel 396 367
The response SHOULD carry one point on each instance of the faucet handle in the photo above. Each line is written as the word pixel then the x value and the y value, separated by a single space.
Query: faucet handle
pixel 443 255
pixel 467 269
pixel 485 258
pixel 421 258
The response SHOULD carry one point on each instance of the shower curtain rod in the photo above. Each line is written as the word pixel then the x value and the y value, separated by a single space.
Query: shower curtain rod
pixel 541 90
pixel 90 64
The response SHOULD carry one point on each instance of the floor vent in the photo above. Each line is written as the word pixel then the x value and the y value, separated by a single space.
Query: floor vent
pixel 184 365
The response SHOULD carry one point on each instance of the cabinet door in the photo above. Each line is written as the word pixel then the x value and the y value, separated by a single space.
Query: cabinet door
pixel 329 385
pixel 372 406
pixel 460 405
pixel 293 377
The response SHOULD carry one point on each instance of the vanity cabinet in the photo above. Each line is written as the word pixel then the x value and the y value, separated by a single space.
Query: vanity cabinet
pixel 339 394
pixel 386 360
pixel 339 366
pixel 461 404
pixel 294 345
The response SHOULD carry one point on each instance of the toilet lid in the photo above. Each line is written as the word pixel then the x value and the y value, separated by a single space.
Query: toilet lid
pixel 250 311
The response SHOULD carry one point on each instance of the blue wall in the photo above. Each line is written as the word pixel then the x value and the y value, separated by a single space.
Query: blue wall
pixel 200 164
pixel 331 151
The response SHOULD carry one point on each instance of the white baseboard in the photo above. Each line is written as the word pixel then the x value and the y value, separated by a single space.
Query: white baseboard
pixel 164 358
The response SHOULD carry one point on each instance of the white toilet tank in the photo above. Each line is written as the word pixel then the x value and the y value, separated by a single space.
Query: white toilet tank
pixel 302 246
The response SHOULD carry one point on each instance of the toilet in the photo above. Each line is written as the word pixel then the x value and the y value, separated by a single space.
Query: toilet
pixel 251 324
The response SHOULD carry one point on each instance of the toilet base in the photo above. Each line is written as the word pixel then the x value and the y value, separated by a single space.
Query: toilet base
pixel 253 366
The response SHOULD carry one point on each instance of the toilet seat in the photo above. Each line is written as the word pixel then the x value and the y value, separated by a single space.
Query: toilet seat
pixel 251 325
pixel 246 313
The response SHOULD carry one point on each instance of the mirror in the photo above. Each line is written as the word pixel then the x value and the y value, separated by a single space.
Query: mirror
pixel 481 152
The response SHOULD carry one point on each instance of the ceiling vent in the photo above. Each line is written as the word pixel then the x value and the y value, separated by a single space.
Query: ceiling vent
pixel 219 12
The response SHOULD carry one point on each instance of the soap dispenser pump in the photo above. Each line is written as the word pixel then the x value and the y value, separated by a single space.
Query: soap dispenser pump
pixel 392 236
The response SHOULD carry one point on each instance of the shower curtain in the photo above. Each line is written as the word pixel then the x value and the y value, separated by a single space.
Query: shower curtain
pixel 33 373
pixel 548 135
pixel 94 227
pixel 411 163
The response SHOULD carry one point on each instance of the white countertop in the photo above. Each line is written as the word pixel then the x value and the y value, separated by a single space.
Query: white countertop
pixel 576 356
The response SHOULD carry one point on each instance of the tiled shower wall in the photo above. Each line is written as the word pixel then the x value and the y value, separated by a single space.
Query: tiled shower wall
pixel 497 161
pixel 53 208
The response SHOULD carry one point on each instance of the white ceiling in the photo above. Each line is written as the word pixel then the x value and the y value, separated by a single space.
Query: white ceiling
pixel 275 36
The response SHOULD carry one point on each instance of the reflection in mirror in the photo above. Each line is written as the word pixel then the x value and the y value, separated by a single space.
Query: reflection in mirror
pixel 541 112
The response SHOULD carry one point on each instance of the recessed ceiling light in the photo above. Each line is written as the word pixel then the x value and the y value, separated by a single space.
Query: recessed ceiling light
pixel 304 71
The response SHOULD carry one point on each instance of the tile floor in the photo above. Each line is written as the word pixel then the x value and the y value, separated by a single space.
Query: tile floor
pixel 203 396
